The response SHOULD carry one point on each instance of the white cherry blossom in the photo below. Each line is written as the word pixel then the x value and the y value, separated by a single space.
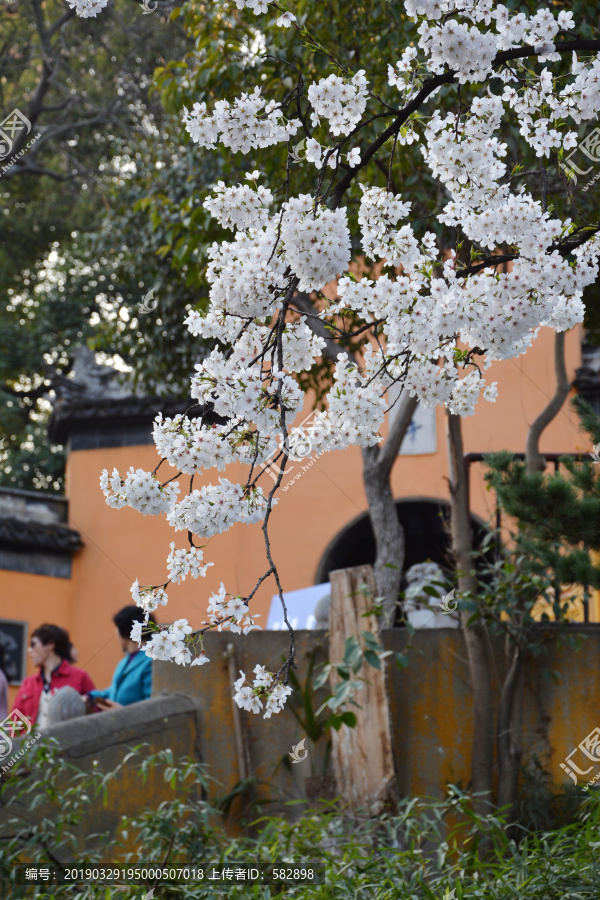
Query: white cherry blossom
pixel 148 598
pixel 286 20
pixel 239 206
pixel 141 490
pixel 182 563
pixel 316 242
pixel 341 102
pixel 250 122
pixel 262 690
pixel 87 8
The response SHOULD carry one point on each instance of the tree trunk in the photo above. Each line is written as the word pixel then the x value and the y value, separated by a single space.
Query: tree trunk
pixel 510 716
pixel 510 725
pixel 476 637
pixel 387 530
pixel 378 462
pixel 388 533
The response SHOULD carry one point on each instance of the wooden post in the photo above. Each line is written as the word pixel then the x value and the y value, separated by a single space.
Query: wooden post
pixel 363 759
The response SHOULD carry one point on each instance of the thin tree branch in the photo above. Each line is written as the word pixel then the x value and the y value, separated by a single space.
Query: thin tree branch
pixel 535 460
pixel 332 349
pixel 18 168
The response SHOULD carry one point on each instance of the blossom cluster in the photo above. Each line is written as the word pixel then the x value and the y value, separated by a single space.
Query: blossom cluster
pixel 171 644
pixel 216 507
pixel 191 446
pixel 182 563
pixel 149 598
pixel 239 206
pixel 543 287
pixel 410 313
pixel 583 96
pixel 317 155
pixel 342 102
pixel 141 490
pixel 244 392
pixel 87 9
pixel 356 406
pixel 264 689
pixel 469 51
pixel 251 253
pixel 233 613
pixel 300 346
pixel 257 6
pixel 316 241
pixel 250 122
pixel 398 74
pixel 544 131
pixel 379 213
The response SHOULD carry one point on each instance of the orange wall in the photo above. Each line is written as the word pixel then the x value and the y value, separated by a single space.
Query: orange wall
pixel 34 599
pixel 120 546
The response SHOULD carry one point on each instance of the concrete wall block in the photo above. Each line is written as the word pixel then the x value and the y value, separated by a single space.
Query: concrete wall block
pixel 430 704
pixel 267 741
pixel 170 721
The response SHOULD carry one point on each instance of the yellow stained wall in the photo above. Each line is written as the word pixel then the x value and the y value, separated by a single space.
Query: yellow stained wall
pixel 120 546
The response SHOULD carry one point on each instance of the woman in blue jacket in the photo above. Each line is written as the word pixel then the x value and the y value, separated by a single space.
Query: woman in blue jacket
pixel 132 680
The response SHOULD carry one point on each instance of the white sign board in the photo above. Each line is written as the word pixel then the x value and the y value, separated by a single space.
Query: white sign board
pixel 421 436
pixel 300 607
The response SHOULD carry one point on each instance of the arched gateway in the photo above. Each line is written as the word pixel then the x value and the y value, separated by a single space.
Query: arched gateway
pixel 426 528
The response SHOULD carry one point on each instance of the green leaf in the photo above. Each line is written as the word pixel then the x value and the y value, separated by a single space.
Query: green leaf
pixel 322 677
pixel 431 591
pixel 353 655
pixel 342 691
pixel 371 641
pixel 349 719
pixel 373 659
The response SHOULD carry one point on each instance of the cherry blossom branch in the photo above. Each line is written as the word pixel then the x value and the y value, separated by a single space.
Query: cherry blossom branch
pixel 566 245
pixel 432 85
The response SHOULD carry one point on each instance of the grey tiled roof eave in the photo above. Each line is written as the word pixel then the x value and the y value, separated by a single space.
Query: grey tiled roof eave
pixel 19 534
pixel 110 411
pixel 586 381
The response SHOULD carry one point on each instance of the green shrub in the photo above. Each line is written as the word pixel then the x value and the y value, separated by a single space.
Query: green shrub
pixel 423 852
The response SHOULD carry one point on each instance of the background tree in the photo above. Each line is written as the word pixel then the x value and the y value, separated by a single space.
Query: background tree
pixel 85 87
pixel 558 514
pixel 558 518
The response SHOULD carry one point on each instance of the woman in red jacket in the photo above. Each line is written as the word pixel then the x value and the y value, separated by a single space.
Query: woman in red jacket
pixel 50 649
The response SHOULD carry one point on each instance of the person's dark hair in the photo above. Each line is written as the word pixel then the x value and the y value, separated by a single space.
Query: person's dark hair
pixel 125 618
pixel 54 634
pixel 3 660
